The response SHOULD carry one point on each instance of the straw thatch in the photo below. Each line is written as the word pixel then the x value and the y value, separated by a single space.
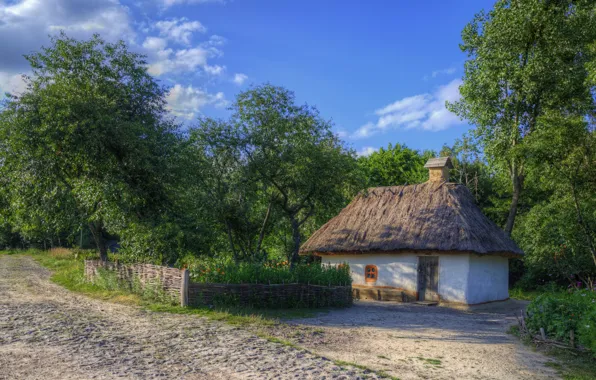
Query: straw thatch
pixel 431 216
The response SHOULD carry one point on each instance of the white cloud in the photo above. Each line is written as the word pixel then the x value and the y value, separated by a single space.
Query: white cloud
pixel 436 73
pixel 11 83
pixel 186 102
pixel 366 151
pixel 155 43
pixel 341 133
pixel 425 111
pixel 240 78
pixel 179 30
pixel 366 130
pixel 216 40
pixel 169 3
pixel 180 61
pixel 26 24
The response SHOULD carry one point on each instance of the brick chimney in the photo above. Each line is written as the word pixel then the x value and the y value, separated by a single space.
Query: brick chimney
pixel 438 169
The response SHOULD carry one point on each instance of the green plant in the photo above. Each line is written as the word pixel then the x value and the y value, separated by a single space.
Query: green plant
pixel 271 272
pixel 563 312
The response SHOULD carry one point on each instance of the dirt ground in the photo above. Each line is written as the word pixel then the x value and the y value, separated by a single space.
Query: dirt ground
pixel 47 332
pixel 423 342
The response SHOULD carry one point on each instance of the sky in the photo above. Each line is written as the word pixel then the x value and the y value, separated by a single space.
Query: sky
pixel 380 70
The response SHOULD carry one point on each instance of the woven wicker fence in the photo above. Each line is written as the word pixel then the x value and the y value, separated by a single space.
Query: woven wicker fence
pixel 175 282
pixel 170 280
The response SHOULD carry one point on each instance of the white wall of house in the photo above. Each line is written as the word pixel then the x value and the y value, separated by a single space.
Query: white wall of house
pixel 488 279
pixel 463 278
pixel 453 277
pixel 398 271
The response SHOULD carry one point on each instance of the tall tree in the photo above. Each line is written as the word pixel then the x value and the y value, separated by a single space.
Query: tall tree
pixel 221 187
pixel 89 133
pixel 525 58
pixel 292 151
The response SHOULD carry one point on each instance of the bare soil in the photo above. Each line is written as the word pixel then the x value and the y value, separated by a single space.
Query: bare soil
pixel 47 332
pixel 412 341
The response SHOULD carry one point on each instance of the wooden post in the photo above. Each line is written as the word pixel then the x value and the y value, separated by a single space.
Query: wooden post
pixel 572 338
pixel 542 334
pixel 184 288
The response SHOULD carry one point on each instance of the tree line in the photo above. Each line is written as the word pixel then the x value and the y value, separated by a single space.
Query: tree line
pixel 89 149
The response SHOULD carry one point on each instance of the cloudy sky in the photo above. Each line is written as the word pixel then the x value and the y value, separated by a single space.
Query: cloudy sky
pixel 381 70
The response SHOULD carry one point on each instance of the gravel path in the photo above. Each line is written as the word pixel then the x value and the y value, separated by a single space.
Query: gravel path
pixel 420 342
pixel 47 332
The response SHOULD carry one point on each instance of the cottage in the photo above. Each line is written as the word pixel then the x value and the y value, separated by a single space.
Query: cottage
pixel 426 242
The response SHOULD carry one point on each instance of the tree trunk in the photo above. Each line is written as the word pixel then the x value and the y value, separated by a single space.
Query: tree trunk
pixel 516 180
pixel 97 231
pixel 296 239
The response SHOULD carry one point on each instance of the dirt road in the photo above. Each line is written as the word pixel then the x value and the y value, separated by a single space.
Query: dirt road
pixel 47 332
pixel 420 342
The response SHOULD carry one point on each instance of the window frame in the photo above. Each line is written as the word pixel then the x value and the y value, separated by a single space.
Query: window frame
pixel 374 271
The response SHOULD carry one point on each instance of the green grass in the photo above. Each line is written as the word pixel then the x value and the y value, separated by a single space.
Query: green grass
pixel 382 374
pixel 68 272
pixel 571 365
pixel 430 361
pixel 524 295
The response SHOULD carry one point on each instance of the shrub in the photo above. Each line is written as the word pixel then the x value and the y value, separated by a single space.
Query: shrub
pixel 271 272
pixel 559 313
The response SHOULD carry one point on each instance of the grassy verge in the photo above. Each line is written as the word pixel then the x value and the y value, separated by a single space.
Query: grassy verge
pixel 524 295
pixel 67 271
pixel 571 365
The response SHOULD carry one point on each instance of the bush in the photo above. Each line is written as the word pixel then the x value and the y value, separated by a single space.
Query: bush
pixel 271 272
pixel 559 313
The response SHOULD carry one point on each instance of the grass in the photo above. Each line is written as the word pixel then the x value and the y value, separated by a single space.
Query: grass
pixel 524 295
pixel 570 365
pixel 382 374
pixel 67 271
pixel 430 361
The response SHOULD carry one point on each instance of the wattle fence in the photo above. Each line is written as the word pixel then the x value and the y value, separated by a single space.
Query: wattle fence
pixel 175 282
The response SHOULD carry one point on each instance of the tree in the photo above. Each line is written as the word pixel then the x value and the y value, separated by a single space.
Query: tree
pixel 221 187
pixel 303 167
pixel 396 165
pixel 525 58
pixel 88 141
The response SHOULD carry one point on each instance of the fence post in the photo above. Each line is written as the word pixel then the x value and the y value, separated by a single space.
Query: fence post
pixel 184 288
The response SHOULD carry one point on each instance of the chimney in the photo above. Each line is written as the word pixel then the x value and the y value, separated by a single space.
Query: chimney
pixel 438 169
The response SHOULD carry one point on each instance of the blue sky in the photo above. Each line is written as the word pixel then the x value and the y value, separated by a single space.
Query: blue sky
pixel 381 70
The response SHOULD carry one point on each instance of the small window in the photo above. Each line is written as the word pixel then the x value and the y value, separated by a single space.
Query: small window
pixel 370 273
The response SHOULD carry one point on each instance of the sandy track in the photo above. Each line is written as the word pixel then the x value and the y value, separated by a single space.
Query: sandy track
pixel 420 342
pixel 47 332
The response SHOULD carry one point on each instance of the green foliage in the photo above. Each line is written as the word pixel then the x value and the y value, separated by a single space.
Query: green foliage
pixel 273 159
pixel 525 59
pixel 271 272
pixel 560 313
pixel 87 142
pixel 396 165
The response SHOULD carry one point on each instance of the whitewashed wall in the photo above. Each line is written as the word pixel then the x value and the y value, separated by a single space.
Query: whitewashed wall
pixel 453 277
pixel 462 278
pixel 398 271
pixel 488 279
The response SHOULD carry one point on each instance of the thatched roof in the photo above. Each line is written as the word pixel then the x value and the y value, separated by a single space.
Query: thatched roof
pixel 431 216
